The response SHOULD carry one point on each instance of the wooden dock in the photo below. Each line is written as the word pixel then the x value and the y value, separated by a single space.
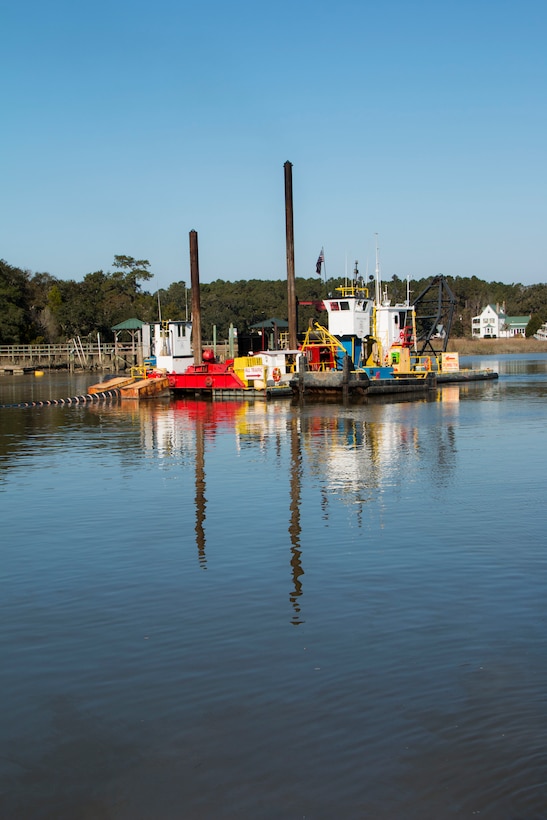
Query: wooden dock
pixel 134 389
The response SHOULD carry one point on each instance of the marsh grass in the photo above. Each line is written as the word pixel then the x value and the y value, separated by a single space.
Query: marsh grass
pixel 483 347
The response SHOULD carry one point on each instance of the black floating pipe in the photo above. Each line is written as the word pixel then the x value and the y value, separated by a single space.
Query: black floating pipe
pixel 89 398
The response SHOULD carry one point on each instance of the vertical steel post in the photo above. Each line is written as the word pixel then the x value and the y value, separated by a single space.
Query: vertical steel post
pixel 196 305
pixel 289 232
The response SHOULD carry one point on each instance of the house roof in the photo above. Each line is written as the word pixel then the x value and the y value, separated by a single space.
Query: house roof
pixel 129 324
pixel 270 323
pixel 502 316
pixel 517 320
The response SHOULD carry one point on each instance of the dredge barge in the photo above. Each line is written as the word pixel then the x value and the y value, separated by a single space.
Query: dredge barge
pixel 401 347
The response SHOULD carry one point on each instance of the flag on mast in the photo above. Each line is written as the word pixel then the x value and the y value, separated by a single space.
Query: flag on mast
pixel 320 261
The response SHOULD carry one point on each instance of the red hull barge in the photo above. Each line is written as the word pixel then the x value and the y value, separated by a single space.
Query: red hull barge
pixel 206 377
pixel 242 378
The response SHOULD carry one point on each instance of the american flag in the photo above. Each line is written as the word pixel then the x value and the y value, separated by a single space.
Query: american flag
pixel 320 260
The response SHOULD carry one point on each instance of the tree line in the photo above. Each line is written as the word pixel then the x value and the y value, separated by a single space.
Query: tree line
pixel 41 308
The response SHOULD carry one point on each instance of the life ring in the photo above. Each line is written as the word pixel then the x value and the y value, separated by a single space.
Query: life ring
pixel 276 374
pixel 208 381
pixel 427 363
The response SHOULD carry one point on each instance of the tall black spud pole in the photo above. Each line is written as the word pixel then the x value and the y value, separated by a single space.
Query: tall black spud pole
pixel 196 304
pixel 291 284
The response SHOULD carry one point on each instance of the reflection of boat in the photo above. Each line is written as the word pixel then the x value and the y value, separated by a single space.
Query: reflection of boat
pixel 317 461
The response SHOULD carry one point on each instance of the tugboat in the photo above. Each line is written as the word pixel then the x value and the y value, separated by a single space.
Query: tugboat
pixel 372 331
pixel 372 338
pixel 401 347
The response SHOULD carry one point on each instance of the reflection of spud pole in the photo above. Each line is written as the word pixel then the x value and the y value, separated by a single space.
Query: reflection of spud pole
pixel 294 525
pixel 200 500
pixel 196 304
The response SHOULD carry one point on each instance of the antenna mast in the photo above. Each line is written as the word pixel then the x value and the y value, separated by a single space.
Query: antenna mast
pixel 378 289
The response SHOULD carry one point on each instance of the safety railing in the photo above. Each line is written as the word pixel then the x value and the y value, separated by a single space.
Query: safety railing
pixel 66 348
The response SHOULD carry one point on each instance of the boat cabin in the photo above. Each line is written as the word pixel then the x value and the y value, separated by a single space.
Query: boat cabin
pixel 366 327
pixel 167 345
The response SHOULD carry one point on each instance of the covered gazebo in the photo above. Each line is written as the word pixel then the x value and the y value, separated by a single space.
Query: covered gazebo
pixel 269 330
pixel 128 339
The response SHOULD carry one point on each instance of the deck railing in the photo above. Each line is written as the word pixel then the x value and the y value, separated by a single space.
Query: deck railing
pixel 82 354
pixel 68 354
pixel 92 348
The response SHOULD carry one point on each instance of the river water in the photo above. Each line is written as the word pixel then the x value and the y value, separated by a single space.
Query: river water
pixel 250 610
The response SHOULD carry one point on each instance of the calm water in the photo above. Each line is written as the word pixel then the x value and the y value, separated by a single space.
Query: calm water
pixel 240 610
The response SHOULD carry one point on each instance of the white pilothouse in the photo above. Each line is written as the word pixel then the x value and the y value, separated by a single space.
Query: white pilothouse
pixel 369 326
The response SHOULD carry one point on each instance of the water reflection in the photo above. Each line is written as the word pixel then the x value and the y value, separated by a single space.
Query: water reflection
pixel 413 684
pixel 350 455
pixel 295 527
pixel 355 456
pixel 200 500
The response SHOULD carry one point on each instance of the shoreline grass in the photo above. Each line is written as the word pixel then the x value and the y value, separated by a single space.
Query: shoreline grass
pixel 484 347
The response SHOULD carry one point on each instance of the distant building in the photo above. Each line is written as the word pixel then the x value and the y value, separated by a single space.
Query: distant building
pixel 493 323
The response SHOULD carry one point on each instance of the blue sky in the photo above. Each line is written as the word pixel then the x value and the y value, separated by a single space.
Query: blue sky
pixel 128 124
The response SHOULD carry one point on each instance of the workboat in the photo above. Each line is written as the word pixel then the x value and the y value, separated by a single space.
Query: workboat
pixel 167 352
pixel 265 374
pixel 370 330
pixel 377 336
pixel 400 347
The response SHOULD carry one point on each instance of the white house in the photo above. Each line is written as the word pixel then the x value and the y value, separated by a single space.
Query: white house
pixel 493 323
